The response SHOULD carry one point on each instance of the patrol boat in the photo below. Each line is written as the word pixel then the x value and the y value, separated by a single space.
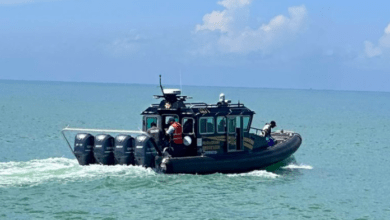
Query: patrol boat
pixel 217 138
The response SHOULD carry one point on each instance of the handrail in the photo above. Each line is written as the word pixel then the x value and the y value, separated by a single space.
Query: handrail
pixel 103 130
pixel 205 104
pixel 196 103
pixel 96 130
pixel 257 130
pixel 63 135
pixel 215 105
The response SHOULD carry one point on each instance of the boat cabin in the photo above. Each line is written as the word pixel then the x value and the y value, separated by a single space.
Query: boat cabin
pixel 212 128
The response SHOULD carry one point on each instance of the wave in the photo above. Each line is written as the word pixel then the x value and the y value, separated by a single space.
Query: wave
pixel 296 166
pixel 61 169
pixel 256 173
pixel 36 172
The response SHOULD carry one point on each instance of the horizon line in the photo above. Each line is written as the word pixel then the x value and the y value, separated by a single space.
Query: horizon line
pixel 149 84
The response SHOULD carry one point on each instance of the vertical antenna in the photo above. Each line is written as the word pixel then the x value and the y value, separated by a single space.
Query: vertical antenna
pixel 162 90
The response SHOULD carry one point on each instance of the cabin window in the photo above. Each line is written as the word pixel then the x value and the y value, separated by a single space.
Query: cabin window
pixel 166 120
pixel 167 117
pixel 232 125
pixel 246 120
pixel 149 121
pixel 188 125
pixel 206 125
pixel 238 122
pixel 221 125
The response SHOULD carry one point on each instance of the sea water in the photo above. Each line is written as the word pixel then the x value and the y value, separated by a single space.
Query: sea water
pixel 339 172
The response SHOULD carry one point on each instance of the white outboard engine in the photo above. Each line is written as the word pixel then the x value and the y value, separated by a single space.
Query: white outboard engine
pixel 104 149
pixel 145 151
pixel 83 148
pixel 124 149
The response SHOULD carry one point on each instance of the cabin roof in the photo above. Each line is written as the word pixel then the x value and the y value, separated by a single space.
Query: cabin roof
pixel 173 103
pixel 200 108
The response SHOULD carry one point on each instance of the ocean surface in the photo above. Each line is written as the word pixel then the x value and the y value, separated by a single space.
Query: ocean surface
pixel 341 171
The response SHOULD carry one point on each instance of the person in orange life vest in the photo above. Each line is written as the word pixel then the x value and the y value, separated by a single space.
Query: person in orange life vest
pixel 176 131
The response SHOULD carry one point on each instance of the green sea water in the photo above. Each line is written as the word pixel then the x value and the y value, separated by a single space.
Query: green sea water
pixel 339 172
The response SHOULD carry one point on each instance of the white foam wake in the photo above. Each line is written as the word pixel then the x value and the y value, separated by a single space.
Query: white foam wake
pixel 296 166
pixel 61 169
pixel 257 173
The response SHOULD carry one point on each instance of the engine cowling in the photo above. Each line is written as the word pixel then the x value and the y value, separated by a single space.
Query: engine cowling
pixel 104 149
pixel 124 149
pixel 83 148
pixel 145 151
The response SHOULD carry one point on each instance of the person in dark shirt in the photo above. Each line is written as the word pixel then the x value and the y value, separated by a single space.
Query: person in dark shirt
pixel 188 127
pixel 222 125
pixel 157 134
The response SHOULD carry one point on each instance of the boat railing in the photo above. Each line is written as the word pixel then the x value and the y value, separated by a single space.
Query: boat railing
pixel 258 131
pixel 90 130
pixel 195 103
pixel 202 104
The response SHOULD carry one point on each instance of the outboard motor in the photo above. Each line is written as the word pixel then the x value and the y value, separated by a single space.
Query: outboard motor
pixel 83 148
pixel 145 151
pixel 124 149
pixel 104 149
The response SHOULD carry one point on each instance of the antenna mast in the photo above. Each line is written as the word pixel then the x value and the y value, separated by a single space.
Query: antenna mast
pixel 162 90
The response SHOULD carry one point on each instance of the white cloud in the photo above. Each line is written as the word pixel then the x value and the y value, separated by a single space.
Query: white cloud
pixel 387 29
pixel 235 36
pixel 223 20
pixel 216 20
pixel 383 44
pixel 371 50
pixel 234 3
pixel 127 45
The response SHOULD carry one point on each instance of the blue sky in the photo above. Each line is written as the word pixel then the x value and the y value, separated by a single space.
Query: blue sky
pixel 337 45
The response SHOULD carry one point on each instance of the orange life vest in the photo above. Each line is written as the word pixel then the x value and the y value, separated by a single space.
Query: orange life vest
pixel 178 134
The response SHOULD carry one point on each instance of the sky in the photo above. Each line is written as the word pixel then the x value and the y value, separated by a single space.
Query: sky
pixel 331 45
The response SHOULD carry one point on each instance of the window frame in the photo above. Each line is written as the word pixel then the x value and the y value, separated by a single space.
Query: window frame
pixel 235 124
pixel 249 122
pixel 193 124
pixel 216 124
pixel 164 115
pixel 151 116
pixel 199 125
